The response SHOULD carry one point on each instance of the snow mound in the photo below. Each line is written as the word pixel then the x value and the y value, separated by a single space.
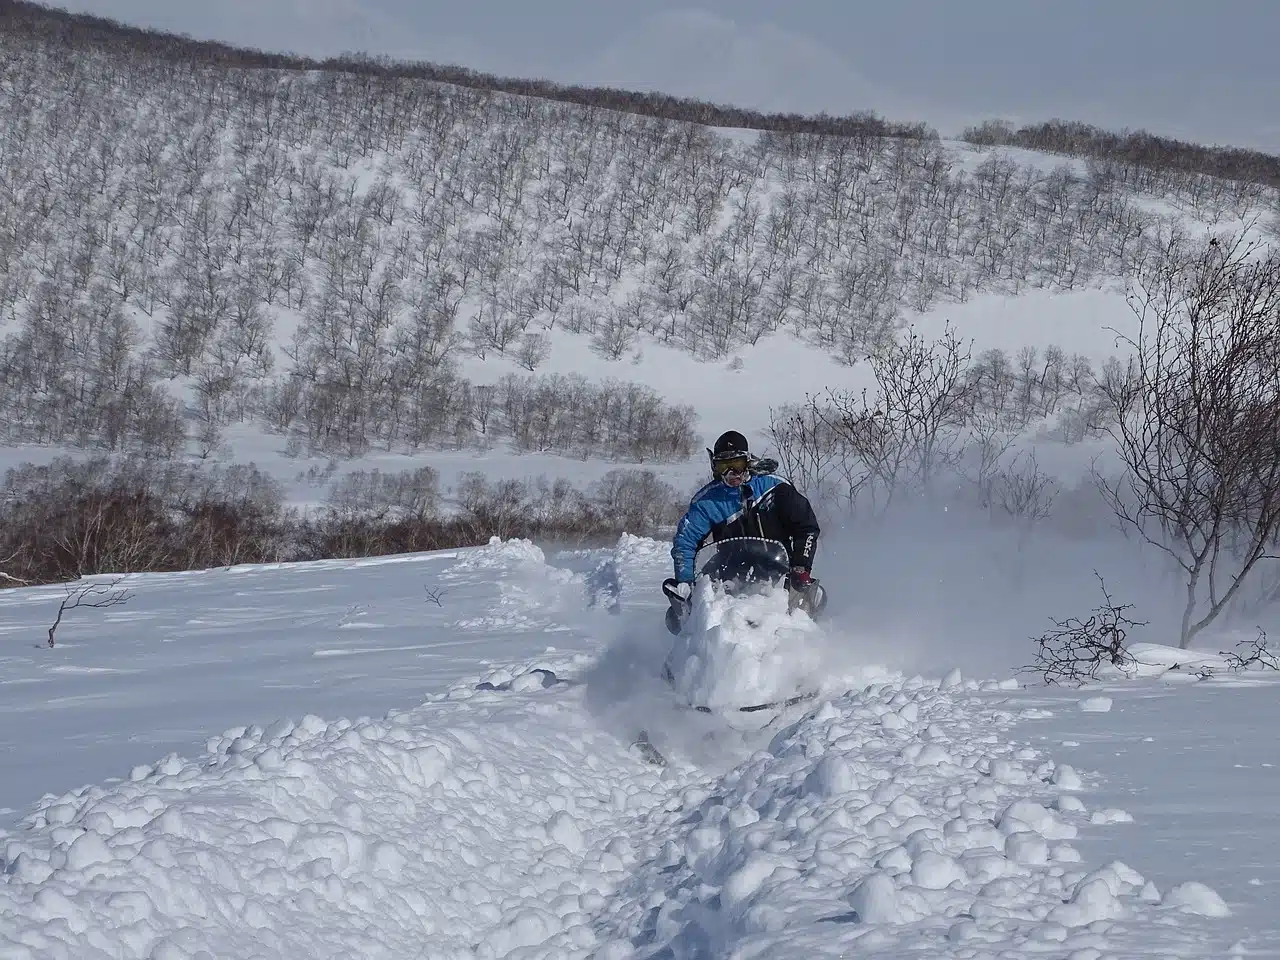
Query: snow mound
pixel 461 829
pixel 502 554
pixel 1195 897
pixel 850 835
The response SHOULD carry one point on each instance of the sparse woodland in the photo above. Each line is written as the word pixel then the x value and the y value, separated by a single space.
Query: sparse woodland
pixel 185 245
pixel 193 236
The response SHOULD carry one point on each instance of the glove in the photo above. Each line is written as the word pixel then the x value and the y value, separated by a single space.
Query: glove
pixel 681 588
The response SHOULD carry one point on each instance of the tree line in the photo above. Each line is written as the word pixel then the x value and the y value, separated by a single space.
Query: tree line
pixel 78 517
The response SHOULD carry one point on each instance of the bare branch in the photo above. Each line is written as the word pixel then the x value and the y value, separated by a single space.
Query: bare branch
pixel 1076 649
pixel 80 597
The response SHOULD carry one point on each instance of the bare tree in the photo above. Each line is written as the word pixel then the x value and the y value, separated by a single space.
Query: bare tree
pixel 534 350
pixel 1198 419
pixel 106 594
pixel 1025 494
pixel 913 429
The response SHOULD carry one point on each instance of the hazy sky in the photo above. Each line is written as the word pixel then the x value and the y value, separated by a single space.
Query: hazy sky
pixel 1198 70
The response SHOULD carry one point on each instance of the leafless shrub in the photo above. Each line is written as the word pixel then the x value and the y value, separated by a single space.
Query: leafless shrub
pixel 534 350
pixel 378 495
pixel 1257 652
pixel 811 452
pixel 71 518
pixel 899 441
pixel 1198 419
pixel 1025 493
pixel 106 593
pixel 1075 649
pixel 636 501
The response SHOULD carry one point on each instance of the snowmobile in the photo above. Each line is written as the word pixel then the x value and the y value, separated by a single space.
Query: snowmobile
pixel 742 629
pixel 744 565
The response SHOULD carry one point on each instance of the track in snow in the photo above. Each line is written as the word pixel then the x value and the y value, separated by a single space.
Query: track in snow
pixel 508 818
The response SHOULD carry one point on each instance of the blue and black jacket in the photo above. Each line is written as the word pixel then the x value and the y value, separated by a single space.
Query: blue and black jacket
pixel 765 506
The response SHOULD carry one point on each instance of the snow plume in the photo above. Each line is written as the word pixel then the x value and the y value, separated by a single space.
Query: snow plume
pixel 734 651
pixel 739 650
pixel 935 584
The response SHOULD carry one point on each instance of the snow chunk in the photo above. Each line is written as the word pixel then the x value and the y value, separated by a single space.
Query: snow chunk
pixel 832 777
pixel 564 830
pixel 1195 897
pixel 1028 815
pixel 747 879
pixel 1069 804
pixel 1096 704
pixel 87 850
pixel 1092 900
pixel 1027 848
pixel 1066 777
pixel 875 900
pixel 936 871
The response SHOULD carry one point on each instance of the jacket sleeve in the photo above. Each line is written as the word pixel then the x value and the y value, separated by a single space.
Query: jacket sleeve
pixel 801 523
pixel 693 527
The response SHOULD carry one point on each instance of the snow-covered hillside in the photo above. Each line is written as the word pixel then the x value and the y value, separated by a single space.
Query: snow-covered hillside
pixel 399 777
pixel 354 264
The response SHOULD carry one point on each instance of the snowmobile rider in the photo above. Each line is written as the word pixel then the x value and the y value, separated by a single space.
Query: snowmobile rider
pixel 745 499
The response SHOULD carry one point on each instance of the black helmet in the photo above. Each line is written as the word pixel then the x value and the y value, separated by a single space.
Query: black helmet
pixel 731 458
pixel 730 444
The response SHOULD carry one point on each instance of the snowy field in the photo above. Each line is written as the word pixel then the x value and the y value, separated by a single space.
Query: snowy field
pixel 323 761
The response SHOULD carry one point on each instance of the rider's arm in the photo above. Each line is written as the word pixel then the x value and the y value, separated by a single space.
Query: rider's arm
pixel 801 524
pixel 693 527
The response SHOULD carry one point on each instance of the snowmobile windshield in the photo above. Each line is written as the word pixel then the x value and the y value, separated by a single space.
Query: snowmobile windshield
pixel 743 560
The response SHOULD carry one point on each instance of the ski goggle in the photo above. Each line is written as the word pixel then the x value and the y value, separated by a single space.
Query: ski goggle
pixel 730 465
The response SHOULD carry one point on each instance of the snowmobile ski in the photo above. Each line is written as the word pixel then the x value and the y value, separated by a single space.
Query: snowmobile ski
pixel 781 704
pixel 648 751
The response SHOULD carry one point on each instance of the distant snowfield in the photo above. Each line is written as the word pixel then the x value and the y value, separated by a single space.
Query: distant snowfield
pixel 319 760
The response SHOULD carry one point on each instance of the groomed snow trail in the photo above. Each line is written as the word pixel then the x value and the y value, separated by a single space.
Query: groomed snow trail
pixel 503 818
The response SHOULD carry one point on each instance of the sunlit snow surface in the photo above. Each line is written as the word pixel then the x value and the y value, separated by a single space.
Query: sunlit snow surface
pixel 498 809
